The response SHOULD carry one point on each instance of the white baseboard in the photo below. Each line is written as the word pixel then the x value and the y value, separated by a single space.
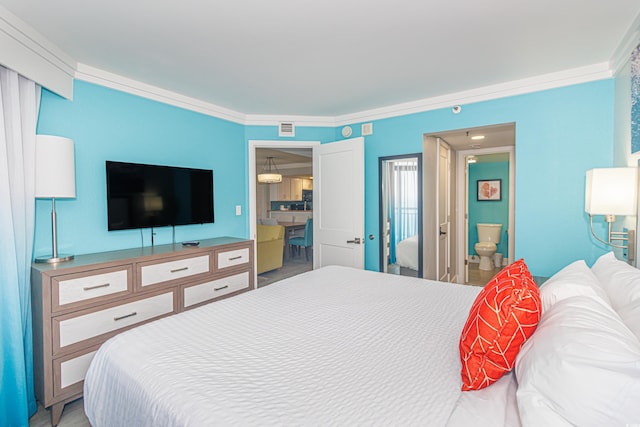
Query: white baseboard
pixel 475 259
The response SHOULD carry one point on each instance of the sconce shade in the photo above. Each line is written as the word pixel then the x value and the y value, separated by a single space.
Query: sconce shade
pixel 55 167
pixel 612 191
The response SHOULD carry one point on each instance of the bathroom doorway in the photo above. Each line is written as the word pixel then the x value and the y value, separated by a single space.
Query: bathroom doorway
pixel 400 186
pixel 488 177
pixel 466 145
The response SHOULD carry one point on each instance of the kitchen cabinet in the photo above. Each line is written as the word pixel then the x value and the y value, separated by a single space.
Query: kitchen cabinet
pixel 289 189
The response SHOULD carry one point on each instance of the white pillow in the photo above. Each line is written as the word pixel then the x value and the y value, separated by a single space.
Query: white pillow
pixel 621 282
pixel 581 367
pixel 573 280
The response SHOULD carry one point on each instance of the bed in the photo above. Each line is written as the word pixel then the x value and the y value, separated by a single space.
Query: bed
pixel 334 346
pixel 407 253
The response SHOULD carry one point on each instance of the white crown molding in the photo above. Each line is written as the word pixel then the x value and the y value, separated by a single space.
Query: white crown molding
pixel 135 87
pixel 629 41
pixel 502 90
pixel 486 93
pixel 30 54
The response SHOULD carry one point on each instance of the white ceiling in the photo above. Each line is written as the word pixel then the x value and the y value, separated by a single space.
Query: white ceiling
pixel 330 57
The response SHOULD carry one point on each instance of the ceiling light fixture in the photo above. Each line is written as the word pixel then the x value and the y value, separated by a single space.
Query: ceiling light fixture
pixel 477 137
pixel 270 173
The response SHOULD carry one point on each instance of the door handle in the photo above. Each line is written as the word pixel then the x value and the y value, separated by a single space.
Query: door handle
pixel 355 240
pixel 442 233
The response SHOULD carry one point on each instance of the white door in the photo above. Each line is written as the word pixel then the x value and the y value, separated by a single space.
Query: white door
pixel 338 193
pixel 444 263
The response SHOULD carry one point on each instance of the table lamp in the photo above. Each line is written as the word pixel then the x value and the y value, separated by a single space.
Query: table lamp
pixel 55 178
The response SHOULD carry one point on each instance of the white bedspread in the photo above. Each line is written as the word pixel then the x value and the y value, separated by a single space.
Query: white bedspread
pixel 334 346
pixel 407 253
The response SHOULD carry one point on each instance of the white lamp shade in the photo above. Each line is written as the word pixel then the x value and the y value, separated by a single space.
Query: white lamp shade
pixel 55 167
pixel 612 191
pixel 269 178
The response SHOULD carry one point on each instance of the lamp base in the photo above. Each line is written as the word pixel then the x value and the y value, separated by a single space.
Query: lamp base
pixel 52 260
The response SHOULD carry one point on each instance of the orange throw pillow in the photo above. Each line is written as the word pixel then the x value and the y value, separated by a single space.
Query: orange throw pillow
pixel 505 313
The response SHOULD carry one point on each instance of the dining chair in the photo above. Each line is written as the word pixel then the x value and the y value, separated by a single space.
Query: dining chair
pixel 305 241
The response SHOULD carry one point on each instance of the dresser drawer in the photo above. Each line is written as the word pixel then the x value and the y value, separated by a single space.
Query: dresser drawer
pixel 69 372
pixel 174 269
pixel 232 258
pixel 76 290
pixel 214 289
pixel 69 330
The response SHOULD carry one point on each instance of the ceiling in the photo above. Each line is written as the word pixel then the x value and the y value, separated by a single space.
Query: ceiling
pixel 289 161
pixel 493 136
pixel 331 57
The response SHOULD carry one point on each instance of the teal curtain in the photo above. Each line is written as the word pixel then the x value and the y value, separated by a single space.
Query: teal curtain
pixel 19 101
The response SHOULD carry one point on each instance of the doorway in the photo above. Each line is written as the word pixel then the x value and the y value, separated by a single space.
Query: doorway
pixel 400 196
pixel 286 204
pixel 466 144
pixel 484 168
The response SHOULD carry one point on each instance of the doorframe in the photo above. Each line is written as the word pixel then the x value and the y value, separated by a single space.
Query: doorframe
pixel 381 215
pixel 462 214
pixel 442 143
pixel 251 204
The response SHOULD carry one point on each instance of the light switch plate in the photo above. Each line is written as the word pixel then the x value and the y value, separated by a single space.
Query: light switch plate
pixel 238 210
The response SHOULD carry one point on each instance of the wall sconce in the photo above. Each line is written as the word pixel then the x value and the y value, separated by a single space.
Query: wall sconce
pixel 270 173
pixel 55 178
pixel 611 192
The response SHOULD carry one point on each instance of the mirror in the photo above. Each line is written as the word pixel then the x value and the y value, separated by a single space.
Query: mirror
pixel 401 214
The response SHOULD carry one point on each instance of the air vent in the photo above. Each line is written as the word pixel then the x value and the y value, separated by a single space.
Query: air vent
pixel 286 129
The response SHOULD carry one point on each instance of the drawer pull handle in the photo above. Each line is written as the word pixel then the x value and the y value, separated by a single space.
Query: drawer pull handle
pixel 90 288
pixel 180 269
pixel 235 258
pixel 221 288
pixel 124 317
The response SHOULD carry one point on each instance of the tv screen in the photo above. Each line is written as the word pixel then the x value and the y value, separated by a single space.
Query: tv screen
pixel 144 196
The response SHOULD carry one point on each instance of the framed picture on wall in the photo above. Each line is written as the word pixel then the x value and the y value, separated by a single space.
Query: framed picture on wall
pixel 489 190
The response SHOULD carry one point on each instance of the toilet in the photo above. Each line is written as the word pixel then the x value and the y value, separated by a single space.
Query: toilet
pixel 488 238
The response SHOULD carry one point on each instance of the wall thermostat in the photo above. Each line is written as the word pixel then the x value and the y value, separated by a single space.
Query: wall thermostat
pixel 347 131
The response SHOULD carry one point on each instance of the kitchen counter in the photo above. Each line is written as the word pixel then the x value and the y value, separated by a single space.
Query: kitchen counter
pixel 291 216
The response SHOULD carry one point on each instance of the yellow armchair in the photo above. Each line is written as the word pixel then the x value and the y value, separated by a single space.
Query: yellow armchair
pixel 270 246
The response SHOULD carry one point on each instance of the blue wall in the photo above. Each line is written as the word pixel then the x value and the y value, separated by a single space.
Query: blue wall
pixel 560 134
pixel 110 125
pixel 496 212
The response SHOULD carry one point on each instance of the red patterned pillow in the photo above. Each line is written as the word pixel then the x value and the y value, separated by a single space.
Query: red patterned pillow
pixel 503 316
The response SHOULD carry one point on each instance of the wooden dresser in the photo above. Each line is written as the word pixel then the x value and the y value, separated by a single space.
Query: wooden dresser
pixel 78 305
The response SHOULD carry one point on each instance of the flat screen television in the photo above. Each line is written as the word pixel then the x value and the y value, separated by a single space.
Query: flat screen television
pixel 145 196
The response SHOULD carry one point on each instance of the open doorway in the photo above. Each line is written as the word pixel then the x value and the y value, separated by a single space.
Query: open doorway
pixel 492 148
pixel 401 214
pixel 489 216
pixel 281 208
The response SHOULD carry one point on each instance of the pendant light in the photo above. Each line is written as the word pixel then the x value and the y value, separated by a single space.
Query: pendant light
pixel 270 173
